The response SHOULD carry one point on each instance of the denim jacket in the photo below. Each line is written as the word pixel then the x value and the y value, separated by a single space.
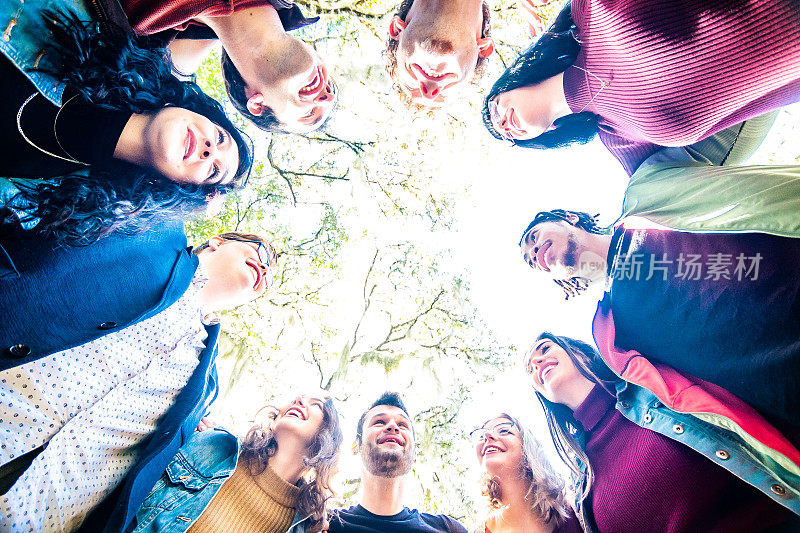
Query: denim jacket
pixel 704 417
pixel 723 447
pixel 24 40
pixel 25 37
pixel 189 483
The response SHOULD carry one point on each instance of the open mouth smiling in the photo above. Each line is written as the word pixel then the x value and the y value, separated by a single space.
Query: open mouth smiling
pixel 295 412
pixel 391 439
pixel 540 260
pixel 490 448
pixel 315 85
pixel 545 369
pixel 257 274
pixel 430 74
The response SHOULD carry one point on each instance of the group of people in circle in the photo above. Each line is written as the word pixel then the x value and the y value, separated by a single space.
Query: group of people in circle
pixel 681 417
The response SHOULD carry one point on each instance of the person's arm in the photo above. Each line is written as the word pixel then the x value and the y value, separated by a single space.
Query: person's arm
pixel 731 146
pixel 692 196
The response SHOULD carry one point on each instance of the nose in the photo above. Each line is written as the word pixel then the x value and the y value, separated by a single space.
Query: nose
pixel 207 149
pixel 534 361
pixel 298 401
pixel 429 89
pixel 392 427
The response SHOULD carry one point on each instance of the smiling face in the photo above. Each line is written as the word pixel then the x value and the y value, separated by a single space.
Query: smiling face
pixel 387 443
pixel 436 52
pixel 498 446
pixel 299 419
pixel 554 247
pixel 554 374
pixel 521 114
pixel 296 87
pixel 236 274
pixel 186 147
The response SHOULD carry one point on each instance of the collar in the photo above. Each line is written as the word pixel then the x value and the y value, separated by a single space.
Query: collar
pixel 207 316
pixel 594 408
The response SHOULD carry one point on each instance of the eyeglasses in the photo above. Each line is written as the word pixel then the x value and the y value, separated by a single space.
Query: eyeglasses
pixel 263 253
pixel 502 429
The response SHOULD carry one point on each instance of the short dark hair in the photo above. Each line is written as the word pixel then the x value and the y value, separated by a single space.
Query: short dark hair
pixel 236 235
pixel 553 53
pixel 392 44
pixel 391 399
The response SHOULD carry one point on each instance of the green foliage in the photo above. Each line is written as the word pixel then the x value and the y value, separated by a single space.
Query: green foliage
pixel 367 295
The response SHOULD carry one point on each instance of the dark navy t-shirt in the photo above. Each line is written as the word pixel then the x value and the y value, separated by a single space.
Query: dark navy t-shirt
pixel 723 307
pixel 356 519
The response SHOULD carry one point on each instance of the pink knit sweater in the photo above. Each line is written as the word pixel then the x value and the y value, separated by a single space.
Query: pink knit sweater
pixel 677 71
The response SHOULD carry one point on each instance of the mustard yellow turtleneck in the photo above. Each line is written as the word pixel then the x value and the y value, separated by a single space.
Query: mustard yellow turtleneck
pixel 244 504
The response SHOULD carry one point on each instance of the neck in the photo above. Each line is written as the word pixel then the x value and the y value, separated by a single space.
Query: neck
pixel 247 36
pixel 381 495
pixel 593 265
pixel 130 146
pixel 554 87
pixel 516 515
pixel 576 395
pixel 288 461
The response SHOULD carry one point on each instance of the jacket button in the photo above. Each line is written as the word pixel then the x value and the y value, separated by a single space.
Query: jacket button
pixel 19 350
pixel 778 489
pixel 107 325
pixel 648 418
pixel 677 428
pixel 183 478
pixel 624 405
pixel 722 454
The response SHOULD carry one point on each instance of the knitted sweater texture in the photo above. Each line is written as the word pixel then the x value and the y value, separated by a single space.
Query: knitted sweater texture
pixel 673 72
pixel 245 504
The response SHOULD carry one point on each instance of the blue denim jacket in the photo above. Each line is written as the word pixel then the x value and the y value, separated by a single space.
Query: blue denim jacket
pixel 25 39
pixel 723 447
pixel 191 480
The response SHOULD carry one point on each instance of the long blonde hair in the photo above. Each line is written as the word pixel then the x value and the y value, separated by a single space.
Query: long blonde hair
pixel 546 494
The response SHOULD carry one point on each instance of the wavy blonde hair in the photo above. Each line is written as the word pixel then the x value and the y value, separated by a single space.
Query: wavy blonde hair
pixel 546 494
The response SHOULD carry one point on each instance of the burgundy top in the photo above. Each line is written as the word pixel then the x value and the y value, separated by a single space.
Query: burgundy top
pixel 678 71
pixel 152 16
pixel 645 481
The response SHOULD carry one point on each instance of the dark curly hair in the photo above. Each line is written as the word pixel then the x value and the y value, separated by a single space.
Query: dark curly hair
pixel 390 53
pixel 323 452
pixel 111 70
pixel 551 54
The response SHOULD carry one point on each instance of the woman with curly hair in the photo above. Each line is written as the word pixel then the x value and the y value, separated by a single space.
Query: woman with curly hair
pixel 276 480
pixel 525 494
pixel 647 74
pixel 104 137
pixel 655 450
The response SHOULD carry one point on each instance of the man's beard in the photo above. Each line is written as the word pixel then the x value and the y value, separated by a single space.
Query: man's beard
pixel 570 254
pixel 387 463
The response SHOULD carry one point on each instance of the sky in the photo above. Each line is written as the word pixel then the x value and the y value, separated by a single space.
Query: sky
pixel 496 192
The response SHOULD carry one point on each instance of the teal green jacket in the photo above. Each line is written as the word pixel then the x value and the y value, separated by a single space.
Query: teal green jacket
pixel 697 189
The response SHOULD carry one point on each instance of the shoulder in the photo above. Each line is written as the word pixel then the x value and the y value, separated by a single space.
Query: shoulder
pixel 443 523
